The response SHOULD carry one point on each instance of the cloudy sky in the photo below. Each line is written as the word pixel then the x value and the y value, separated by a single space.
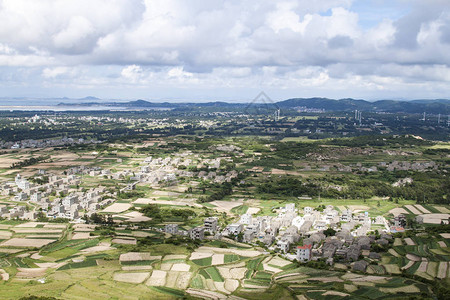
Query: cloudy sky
pixel 225 50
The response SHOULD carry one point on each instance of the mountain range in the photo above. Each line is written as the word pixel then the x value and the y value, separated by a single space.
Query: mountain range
pixel 436 106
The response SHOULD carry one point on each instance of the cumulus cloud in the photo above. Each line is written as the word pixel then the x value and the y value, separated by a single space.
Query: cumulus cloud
pixel 132 73
pixel 54 72
pixel 289 44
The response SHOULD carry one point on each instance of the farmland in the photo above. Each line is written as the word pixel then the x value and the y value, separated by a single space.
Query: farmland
pixel 138 186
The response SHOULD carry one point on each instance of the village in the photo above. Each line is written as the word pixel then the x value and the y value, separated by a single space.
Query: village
pixel 350 235
pixel 62 196
pixel 310 233
pixel 207 222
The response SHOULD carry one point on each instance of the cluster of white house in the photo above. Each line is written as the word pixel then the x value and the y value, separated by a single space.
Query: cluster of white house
pixel 72 202
pixel 66 202
pixel 30 143
pixel 211 225
pixel 286 229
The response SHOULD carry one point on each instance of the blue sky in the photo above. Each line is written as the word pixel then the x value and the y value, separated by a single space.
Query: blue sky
pixel 225 50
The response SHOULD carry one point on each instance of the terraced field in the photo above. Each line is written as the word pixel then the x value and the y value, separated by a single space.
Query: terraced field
pixel 97 268
pixel 422 255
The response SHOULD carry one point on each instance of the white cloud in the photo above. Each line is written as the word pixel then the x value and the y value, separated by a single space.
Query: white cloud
pixel 132 73
pixel 54 72
pixel 288 44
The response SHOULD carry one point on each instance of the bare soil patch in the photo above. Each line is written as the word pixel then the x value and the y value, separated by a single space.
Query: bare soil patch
pixel 30 272
pixel 158 278
pixel 277 261
pixel 4 235
pixel 409 242
pixel 408 265
pixel 434 218
pixel 166 266
pixel 413 257
pixel 63 226
pixel 4 275
pixel 423 267
pixel 9 250
pixel 117 207
pixel 422 209
pixel 131 277
pixel 29 225
pixel 412 209
pixel 181 267
pixel 104 246
pixel 183 280
pixel 83 227
pixel 218 259
pixel 442 209
pixel 124 241
pixel 253 210
pixel 398 210
pixel 136 268
pixel 204 294
pixel 335 293
pixel 166 202
pixel 200 255
pixel 20 242
pixel 175 256
pixel 226 206
pixel 231 285
pixel 136 217
pixel 135 256
pixel 81 236
pixel 36 230
pixel 442 271
pixel 271 269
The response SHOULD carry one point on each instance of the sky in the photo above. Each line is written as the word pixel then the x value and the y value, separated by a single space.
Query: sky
pixel 207 50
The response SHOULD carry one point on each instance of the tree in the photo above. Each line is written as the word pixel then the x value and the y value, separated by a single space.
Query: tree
pixel 41 217
pixel 329 232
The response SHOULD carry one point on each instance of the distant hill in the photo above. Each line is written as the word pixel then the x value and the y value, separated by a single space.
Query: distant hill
pixel 437 106
pixel 87 98
pixel 441 106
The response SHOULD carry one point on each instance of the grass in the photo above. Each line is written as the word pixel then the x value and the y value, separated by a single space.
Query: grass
pixel 169 291
pixel 222 244
pixel 228 258
pixel 203 261
pixel 137 262
pixel 369 292
pixel 61 250
pixel 239 210
pixel 214 274
pixel 197 282
pixel 81 283
pixel 254 264
pixel 262 275
pixel 413 268
pixel 75 265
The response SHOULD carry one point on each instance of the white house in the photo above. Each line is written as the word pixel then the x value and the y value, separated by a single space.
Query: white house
pixel 304 252
pixel 307 210
pixel 298 221
pixel 246 219
pixel 283 245
pixel 234 228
